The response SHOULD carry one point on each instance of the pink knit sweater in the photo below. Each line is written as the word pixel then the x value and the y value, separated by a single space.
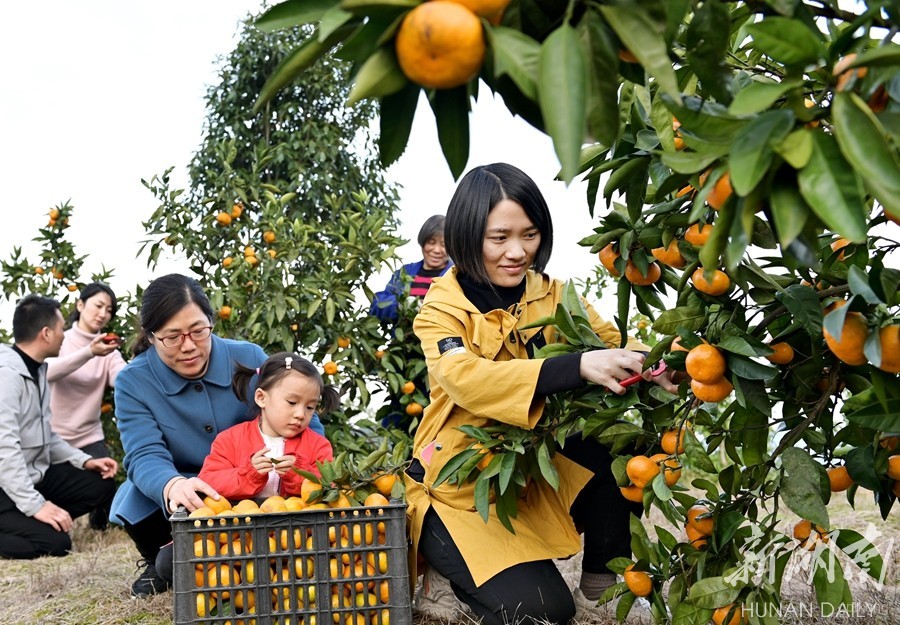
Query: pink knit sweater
pixel 77 382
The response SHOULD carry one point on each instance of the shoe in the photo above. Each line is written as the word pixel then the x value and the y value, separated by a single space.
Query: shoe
pixel 588 610
pixel 435 598
pixel 149 582
pixel 98 519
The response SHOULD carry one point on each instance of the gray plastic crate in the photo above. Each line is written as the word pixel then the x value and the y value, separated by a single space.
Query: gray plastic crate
pixel 312 567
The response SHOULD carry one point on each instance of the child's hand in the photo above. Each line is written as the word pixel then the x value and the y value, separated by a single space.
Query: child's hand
pixel 283 465
pixel 261 462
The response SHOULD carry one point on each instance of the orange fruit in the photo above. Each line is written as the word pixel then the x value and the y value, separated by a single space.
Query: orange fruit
pixel 408 388
pixel 890 348
pixel 72 287
pixel 720 192
pixel 440 45
pixel 809 535
pixel 343 342
pixel 893 470
pixel 307 488
pixel 105 408
pixel 236 209
pixel 696 538
pixel 840 244
pixel 58 274
pixel 889 442
pixel 217 506
pixel 845 75
pixel 225 312
pixel 484 8
pixel 705 363
pixel 226 262
pixel 839 479
pixel 721 614
pixel 486 456
pixel 223 218
pixel 269 236
pixel 632 493
pixel 849 348
pixel 341 502
pixel 54 213
pixel 246 506
pixel 782 355
pixel 275 503
pixel 676 345
pixel 634 275
pixel 679 143
pixel 272 253
pixel 641 470
pixel 638 582
pixel 379 354
pixel 711 393
pixel 608 258
pixel 684 191
pixel 39 271
pixel 672 441
pixel 669 255
pixel 705 525
pixel 895 488
pixel 376 499
pixel 719 284
pixel 330 367
pixel 626 56
pixel 414 409
pixel 697 234
pixel 384 483
pixel 253 261
pixel 669 466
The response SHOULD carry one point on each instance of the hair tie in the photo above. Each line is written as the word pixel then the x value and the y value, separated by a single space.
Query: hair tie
pixel 287 362
pixel 257 371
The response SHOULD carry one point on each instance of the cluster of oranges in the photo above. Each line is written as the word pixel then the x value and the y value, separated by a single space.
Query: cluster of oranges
pixel 849 345
pixel 642 469
pixel 232 573
pixel 440 43
pixel 706 365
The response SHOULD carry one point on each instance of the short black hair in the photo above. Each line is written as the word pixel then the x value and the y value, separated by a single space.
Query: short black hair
pixel 478 192
pixel 433 227
pixel 33 313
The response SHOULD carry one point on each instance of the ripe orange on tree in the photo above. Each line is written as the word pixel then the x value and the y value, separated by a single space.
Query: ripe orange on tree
pixel 223 218
pixel 408 388
pixel 672 441
pixel 39 271
pixel 236 209
pixel 226 262
pixel 638 582
pixel 893 470
pixel 379 354
pixel 705 525
pixel 269 236
pixel 720 192
pixel 72 287
pixel 670 468
pixel 839 479
pixel 783 353
pixel 845 75
pixel 641 470
pixel 414 409
pixel 711 393
pixel 840 244
pixel 440 45
pixel 697 234
pixel 889 336
pixel 608 257
pixel 105 408
pixel 634 275
pixel 720 616
pixel 705 363
pixel 330 367
pixel 225 312
pixel 849 347
pixel 717 285
pixel 809 535
pixel 632 493
pixel 696 538
pixel 343 342
pixel 669 255
pixel 485 8
pixel 53 213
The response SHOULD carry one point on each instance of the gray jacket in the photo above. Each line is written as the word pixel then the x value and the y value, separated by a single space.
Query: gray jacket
pixel 27 444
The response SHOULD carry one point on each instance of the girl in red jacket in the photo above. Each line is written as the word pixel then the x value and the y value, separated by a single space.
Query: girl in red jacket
pixel 256 458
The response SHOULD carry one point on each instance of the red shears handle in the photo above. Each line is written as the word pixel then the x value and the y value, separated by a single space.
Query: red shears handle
pixel 637 377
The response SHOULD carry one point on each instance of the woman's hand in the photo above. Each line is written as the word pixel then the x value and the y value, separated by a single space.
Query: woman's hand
pixel 99 347
pixel 261 462
pixel 184 493
pixel 607 367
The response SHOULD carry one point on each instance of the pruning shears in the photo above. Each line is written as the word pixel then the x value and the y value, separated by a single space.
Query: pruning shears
pixel 637 377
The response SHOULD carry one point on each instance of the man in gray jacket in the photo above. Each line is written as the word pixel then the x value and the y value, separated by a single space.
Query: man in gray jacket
pixel 45 483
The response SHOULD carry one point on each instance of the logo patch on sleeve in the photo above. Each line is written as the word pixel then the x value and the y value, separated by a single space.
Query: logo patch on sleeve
pixel 451 345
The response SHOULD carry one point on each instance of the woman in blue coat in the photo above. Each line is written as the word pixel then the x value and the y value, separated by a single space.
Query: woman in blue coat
pixel 172 400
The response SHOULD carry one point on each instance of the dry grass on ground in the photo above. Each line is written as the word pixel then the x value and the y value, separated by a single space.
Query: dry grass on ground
pixel 91 586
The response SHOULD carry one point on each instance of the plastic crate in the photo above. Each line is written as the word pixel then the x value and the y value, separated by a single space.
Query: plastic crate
pixel 312 567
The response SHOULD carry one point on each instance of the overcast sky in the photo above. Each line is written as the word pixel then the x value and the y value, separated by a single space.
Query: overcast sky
pixel 99 94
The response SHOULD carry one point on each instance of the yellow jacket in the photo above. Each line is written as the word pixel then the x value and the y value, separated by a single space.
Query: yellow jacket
pixel 481 374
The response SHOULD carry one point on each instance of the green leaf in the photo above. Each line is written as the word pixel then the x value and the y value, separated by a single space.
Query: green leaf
pixel 760 95
pixel 863 141
pixel 803 303
pixel 789 212
pixel 516 55
pixel 687 317
pixel 618 436
pixel 863 553
pixel 877 415
pixel 684 162
pixel 548 469
pixel 832 189
pixel 696 454
pixel 379 76
pixel 293 13
pixel 451 112
pixel 800 486
pixel 786 40
pixel 562 95
pixel 858 281
pixel 397 113
pixel 796 148
pixel 751 151
pixel 829 582
pixel 603 75
pixel 642 36
pixel 712 592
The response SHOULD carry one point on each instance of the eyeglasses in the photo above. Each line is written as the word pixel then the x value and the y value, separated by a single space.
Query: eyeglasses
pixel 200 334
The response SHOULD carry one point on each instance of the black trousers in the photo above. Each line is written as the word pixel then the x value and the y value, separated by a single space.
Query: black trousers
pixel 537 590
pixel 75 490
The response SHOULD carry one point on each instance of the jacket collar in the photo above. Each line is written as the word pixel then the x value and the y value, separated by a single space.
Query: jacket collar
pixel 447 290
pixel 218 373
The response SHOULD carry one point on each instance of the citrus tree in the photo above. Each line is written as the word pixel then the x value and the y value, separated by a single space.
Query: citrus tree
pixel 286 217
pixel 747 155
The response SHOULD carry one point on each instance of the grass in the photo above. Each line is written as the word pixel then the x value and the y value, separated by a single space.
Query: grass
pixel 92 585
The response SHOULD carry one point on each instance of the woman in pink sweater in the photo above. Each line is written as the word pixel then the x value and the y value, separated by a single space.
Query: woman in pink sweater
pixel 86 366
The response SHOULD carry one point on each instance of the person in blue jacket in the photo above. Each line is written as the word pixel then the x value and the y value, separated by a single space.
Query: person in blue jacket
pixel 172 400
pixel 434 263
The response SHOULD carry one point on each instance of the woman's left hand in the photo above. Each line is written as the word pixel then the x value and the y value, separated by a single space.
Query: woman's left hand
pixel 667 379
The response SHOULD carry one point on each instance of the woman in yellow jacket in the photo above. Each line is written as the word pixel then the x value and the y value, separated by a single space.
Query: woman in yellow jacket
pixel 480 366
